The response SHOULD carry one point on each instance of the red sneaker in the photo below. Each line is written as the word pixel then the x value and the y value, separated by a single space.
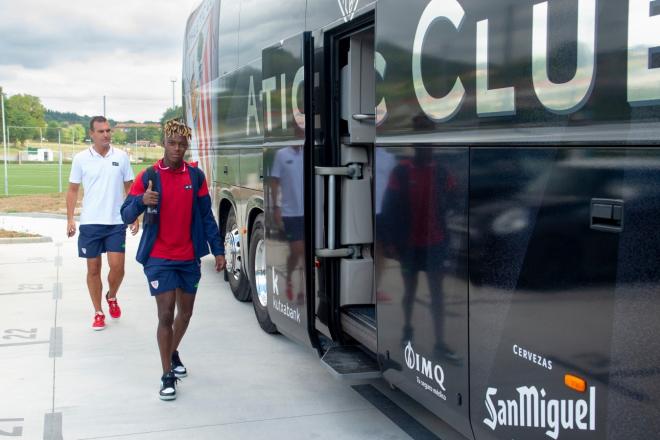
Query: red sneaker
pixel 99 322
pixel 115 311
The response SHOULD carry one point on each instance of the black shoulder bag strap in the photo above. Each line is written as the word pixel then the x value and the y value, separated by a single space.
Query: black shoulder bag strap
pixel 150 213
pixel 151 176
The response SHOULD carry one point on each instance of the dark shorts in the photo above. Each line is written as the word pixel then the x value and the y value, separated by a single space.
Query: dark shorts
pixel 294 228
pixel 165 275
pixel 427 259
pixel 94 240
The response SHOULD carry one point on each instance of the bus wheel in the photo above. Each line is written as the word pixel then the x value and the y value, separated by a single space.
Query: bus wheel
pixel 258 276
pixel 235 270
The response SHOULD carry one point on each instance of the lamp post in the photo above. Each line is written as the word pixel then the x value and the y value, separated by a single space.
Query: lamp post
pixel 59 143
pixel 173 81
pixel 4 139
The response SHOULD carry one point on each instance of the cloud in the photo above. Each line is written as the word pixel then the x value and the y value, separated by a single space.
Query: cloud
pixel 71 53
pixel 136 86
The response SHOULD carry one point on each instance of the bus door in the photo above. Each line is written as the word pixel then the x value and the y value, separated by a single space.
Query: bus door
pixel 421 253
pixel 286 68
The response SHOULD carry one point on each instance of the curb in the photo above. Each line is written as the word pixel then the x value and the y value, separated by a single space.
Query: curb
pixel 25 240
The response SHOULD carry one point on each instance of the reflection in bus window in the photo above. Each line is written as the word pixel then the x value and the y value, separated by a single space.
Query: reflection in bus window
pixel 287 184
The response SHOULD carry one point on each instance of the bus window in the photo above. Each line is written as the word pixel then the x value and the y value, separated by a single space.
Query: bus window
pixel 228 36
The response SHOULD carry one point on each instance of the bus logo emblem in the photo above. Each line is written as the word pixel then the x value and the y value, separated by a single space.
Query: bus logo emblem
pixel 348 8
pixel 433 371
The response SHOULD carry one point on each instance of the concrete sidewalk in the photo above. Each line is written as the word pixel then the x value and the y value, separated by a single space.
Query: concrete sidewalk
pixel 61 380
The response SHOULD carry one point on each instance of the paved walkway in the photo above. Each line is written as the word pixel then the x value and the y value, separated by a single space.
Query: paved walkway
pixel 61 380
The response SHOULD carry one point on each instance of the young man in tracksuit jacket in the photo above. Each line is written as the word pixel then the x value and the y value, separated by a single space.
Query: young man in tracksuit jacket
pixel 175 237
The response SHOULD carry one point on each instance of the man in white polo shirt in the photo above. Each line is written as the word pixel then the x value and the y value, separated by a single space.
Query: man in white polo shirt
pixel 106 175
pixel 286 184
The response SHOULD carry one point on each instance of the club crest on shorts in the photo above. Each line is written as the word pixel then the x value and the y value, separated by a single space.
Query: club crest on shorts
pixel 154 284
pixel 84 250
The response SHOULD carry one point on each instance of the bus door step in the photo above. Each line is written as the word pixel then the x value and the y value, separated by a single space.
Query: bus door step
pixel 350 362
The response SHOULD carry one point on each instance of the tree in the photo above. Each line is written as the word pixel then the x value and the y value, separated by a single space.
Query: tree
pixel 67 134
pixel 119 136
pixel 24 111
pixel 71 118
pixel 51 131
pixel 73 133
pixel 80 132
pixel 151 134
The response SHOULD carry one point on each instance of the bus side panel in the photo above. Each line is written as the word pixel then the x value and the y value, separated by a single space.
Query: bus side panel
pixel 251 167
pixel 475 70
pixel 200 80
pixel 288 223
pixel 552 296
pixel 421 275
pixel 634 403
pixel 241 136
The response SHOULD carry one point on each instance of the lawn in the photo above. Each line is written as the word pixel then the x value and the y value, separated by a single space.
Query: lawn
pixel 39 178
pixel 15 234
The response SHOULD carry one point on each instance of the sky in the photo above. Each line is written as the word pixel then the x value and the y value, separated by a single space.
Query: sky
pixel 70 53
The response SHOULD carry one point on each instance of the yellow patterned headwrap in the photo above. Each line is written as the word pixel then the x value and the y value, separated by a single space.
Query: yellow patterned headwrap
pixel 175 127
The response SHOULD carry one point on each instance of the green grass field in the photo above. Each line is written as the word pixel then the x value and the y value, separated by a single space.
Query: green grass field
pixel 39 178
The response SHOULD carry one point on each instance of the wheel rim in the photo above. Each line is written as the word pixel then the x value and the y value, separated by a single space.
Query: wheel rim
pixel 260 273
pixel 233 252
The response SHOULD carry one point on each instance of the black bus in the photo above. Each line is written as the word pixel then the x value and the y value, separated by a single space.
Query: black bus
pixel 459 196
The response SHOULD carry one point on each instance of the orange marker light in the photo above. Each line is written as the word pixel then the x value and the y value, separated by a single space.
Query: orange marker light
pixel 575 383
pixel 244 231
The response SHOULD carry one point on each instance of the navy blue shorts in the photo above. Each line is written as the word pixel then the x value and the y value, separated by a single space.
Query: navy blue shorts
pixel 94 240
pixel 164 275
pixel 294 228
pixel 427 259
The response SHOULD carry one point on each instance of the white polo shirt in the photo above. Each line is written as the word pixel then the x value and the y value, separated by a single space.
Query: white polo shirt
pixel 288 167
pixel 102 178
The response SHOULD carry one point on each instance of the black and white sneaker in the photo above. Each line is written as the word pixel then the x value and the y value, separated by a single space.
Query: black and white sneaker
pixel 168 386
pixel 177 366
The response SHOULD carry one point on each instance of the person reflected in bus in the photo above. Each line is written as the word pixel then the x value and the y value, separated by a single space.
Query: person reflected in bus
pixel 418 193
pixel 384 163
pixel 287 183
pixel 179 228
pixel 106 176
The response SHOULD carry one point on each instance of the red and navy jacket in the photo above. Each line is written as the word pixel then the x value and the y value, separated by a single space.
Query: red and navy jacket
pixel 203 231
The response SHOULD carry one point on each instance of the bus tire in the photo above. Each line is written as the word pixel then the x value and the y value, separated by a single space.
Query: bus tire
pixel 258 275
pixel 235 269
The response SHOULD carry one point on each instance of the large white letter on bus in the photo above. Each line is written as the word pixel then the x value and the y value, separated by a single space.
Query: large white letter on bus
pixel 252 109
pixel 298 80
pixel 643 35
pixel 567 97
pixel 283 100
pixel 495 102
pixel 267 86
pixel 436 109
